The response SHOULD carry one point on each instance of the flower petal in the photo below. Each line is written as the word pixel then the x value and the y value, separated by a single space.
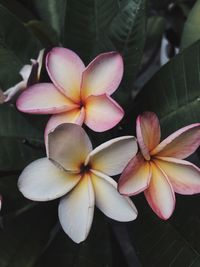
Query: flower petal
pixel 160 194
pixel 25 72
pixel 76 210
pixel 42 180
pixel 136 176
pixel 148 132
pixel 43 98
pixel 65 70
pixel 112 157
pixel 69 146
pixel 72 116
pixel 14 91
pixel 183 175
pixel 102 113
pixel 102 75
pixel 180 144
pixel 109 201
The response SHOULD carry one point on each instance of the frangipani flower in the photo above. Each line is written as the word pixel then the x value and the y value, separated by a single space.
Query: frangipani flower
pixel 77 93
pixel 26 73
pixel 159 169
pixel 81 175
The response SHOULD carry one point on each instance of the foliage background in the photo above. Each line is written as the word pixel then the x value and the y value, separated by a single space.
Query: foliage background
pixel 30 235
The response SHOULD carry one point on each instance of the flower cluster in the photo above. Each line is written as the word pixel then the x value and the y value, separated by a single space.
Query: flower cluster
pixel 79 174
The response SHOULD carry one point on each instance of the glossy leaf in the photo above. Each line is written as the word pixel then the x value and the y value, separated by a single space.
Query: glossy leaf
pixel 172 243
pixel 127 34
pixel 85 24
pixel 24 239
pixel 94 252
pixel 20 142
pixel 13 36
pixel 191 31
pixel 173 93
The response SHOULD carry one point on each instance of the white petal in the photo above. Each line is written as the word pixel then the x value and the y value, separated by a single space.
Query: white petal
pixel 76 210
pixel 109 200
pixel 42 180
pixel 69 145
pixel 112 157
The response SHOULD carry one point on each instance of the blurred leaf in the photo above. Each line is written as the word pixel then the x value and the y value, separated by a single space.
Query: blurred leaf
pixel 127 34
pixel 173 93
pixel 85 23
pixel 94 252
pixel 191 31
pixel 24 239
pixel 17 136
pixel 50 11
pixel 173 243
pixel 47 35
pixel 13 37
pixel 155 29
pixel 18 10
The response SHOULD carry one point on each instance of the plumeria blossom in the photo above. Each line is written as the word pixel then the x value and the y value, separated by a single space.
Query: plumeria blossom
pixel 26 73
pixel 77 94
pixel 159 169
pixel 80 176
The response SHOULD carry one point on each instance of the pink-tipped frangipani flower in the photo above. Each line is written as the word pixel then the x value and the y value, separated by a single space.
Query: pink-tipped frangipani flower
pixel 159 169
pixel 77 94
pixel 81 176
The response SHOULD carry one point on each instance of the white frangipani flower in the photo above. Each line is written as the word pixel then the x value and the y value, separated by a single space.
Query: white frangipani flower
pixel 80 176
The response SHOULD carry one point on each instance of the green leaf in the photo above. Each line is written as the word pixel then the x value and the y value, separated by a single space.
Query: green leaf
pixel 24 239
pixel 47 35
pixel 13 37
pixel 18 10
pixel 85 24
pixel 94 252
pixel 173 93
pixel 18 140
pixel 191 31
pixel 171 243
pixel 50 11
pixel 127 34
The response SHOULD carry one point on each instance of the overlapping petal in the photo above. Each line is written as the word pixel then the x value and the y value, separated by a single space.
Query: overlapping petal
pixel 65 70
pixel 42 180
pixel 43 98
pixel 102 113
pixel 73 116
pixel 160 194
pixel 102 75
pixel 148 132
pixel 69 146
pixel 183 175
pixel 135 177
pixel 180 144
pixel 76 210
pixel 112 156
pixel 109 201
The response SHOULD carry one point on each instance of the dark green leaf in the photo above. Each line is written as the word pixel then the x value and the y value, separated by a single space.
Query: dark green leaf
pixel 24 239
pixel 191 31
pixel 17 138
pixel 13 37
pixel 50 11
pixel 18 10
pixel 47 35
pixel 85 23
pixel 173 93
pixel 94 252
pixel 127 34
pixel 173 243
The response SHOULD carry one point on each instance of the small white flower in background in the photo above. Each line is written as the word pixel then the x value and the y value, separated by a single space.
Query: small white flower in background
pixel 26 73
pixel 80 176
